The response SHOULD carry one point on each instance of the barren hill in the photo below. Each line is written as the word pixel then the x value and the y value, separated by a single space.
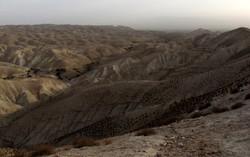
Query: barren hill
pixel 100 81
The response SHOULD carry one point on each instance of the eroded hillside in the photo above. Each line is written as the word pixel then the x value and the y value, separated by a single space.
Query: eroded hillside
pixel 54 53
pixel 103 81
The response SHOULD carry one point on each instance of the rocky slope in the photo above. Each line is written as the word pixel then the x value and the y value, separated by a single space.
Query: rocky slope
pixel 224 133
pixel 217 135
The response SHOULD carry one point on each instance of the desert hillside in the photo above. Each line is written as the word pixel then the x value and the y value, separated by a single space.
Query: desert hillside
pixel 61 81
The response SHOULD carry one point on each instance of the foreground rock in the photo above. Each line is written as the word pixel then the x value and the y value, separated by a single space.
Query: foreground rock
pixel 219 135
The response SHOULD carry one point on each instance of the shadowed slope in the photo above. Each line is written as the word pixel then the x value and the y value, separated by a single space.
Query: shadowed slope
pixel 122 107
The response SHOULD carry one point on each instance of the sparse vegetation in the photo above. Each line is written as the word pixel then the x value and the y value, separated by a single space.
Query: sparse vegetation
pixel 59 72
pixel 146 132
pixel 17 43
pixel 237 105
pixel 247 97
pixel 42 149
pixel 107 141
pixel 234 91
pixel 217 109
pixel 21 39
pixel 240 85
pixel 207 105
pixel 34 70
pixel 32 42
pixel 199 114
pixel 9 77
pixel 196 115
pixel 85 142
pixel 174 118
pixel 90 66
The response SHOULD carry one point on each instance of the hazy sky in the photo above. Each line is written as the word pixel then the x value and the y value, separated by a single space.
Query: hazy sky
pixel 139 14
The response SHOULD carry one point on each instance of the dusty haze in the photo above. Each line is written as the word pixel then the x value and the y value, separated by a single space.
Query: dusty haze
pixel 139 14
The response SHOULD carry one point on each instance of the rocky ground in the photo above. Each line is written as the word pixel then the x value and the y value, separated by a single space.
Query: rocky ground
pixel 224 134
